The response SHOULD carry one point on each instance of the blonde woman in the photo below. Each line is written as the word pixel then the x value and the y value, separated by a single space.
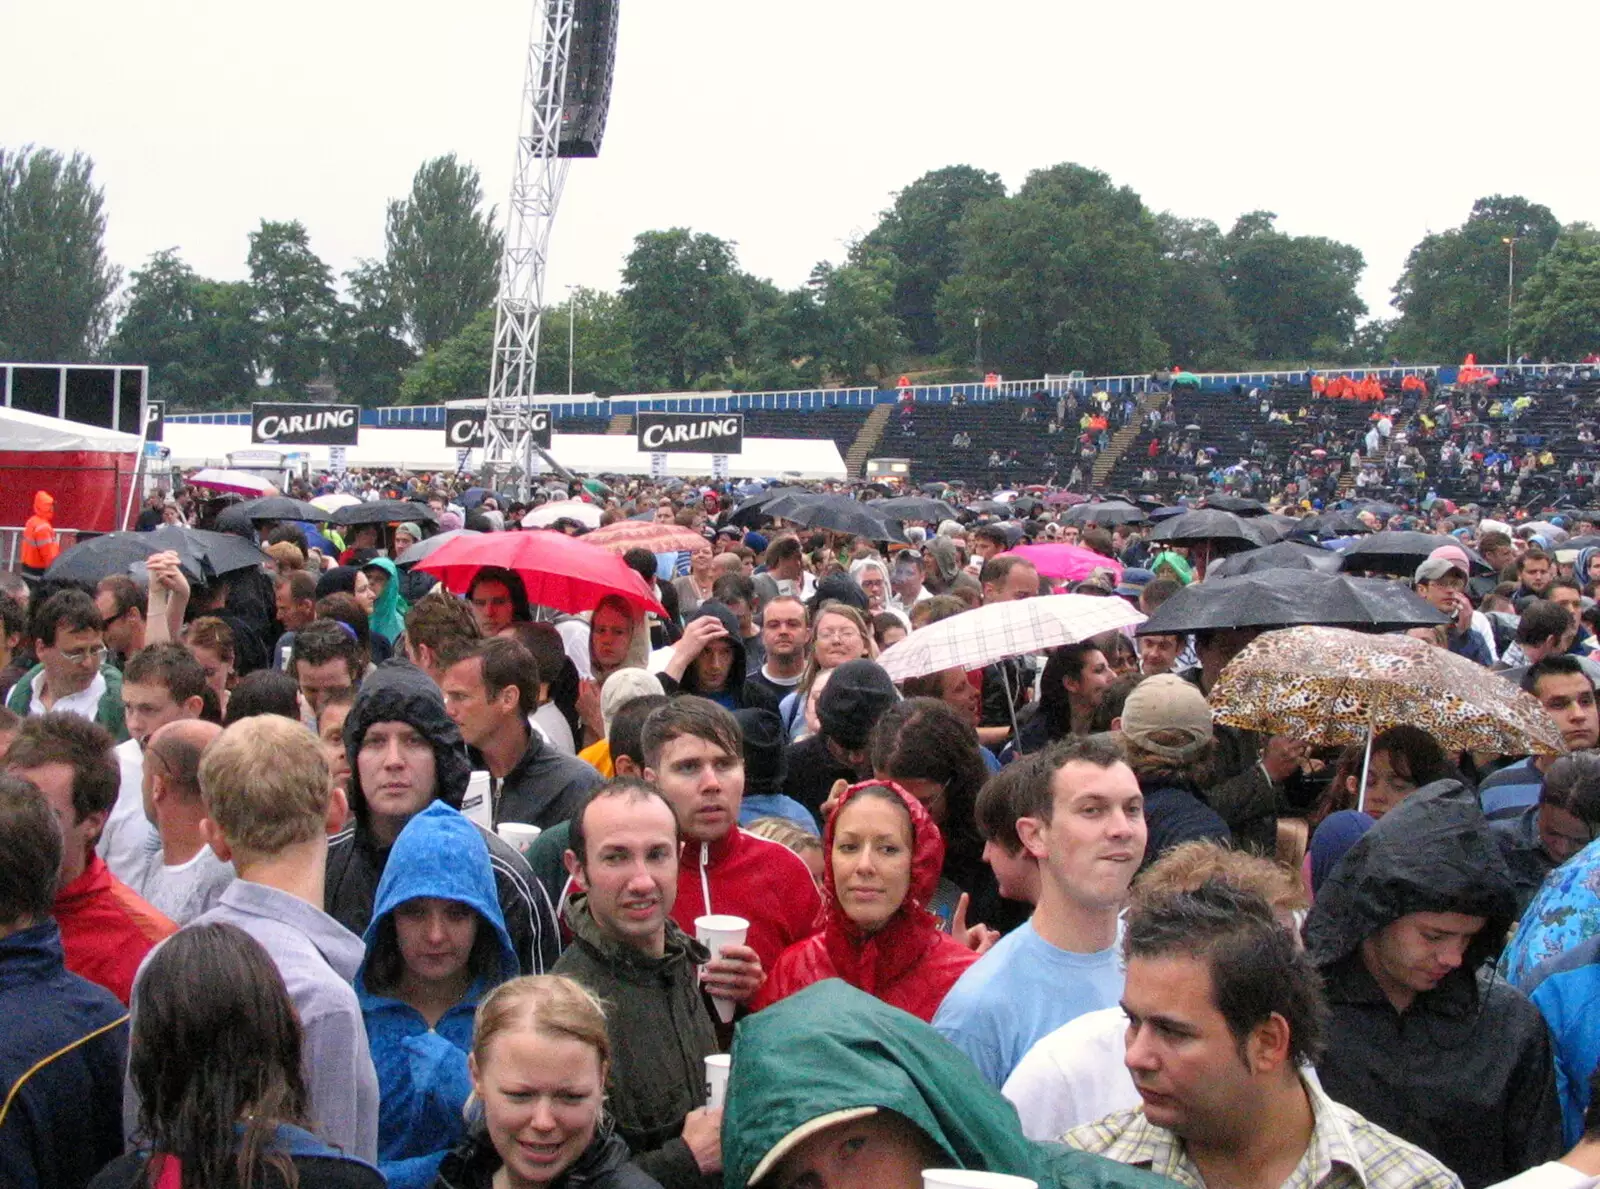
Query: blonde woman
pixel 840 634
pixel 540 1054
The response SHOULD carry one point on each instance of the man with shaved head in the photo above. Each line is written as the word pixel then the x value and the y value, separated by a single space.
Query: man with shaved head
pixel 178 872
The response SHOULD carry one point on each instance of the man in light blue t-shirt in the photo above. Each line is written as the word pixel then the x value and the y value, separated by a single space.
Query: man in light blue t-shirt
pixel 1085 825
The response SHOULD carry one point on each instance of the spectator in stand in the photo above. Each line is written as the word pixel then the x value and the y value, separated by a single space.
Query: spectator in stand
pixel 106 928
pixel 66 1039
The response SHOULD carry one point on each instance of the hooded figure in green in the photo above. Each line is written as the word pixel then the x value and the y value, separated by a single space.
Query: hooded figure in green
pixel 835 1056
pixel 389 612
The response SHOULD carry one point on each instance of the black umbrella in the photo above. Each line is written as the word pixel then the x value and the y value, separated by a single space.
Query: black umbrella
pixel 1107 513
pixel 275 507
pixel 421 549
pixel 1167 513
pixel 1026 506
pixel 753 510
pixel 1222 529
pixel 1401 553
pixel 1283 598
pixel 1237 504
pixel 1330 524
pixel 915 507
pixel 842 514
pixel 989 508
pixel 1284 555
pixel 384 512
pixel 1382 509
pixel 202 555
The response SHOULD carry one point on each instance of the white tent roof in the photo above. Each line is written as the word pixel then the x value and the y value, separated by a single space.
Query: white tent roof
pixel 21 431
pixel 194 445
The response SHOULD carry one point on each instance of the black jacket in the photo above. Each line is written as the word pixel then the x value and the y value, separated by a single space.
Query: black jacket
pixel 1466 1072
pixel 399 692
pixel 744 693
pixel 544 787
pixel 604 1164
pixel 1175 815
pixel 661 1033
pixel 810 770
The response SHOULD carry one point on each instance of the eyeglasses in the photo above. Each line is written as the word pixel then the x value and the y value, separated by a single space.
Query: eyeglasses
pixel 78 655
pixel 833 634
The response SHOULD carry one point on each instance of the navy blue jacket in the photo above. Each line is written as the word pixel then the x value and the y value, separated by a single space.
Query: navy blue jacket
pixel 62 1053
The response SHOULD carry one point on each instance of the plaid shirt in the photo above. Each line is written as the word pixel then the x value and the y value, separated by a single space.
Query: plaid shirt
pixel 1345 1152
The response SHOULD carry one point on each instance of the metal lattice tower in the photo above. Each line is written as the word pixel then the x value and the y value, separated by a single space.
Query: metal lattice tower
pixel 509 451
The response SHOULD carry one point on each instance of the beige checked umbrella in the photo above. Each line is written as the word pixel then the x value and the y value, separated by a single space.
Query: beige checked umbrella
pixel 1333 686
pixel 994 632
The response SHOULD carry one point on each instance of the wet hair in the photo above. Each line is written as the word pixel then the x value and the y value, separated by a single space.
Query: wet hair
pixel 345 608
pixel 71 610
pixel 439 619
pixel 520 609
pixel 30 852
pixel 625 736
pixel 1572 784
pixel 216 1050
pixel 323 640
pixel 1189 865
pixel 629 788
pixel 925 739
pixel 62 737
pixel 548 1003
pixel 1540 620
pixel 785 833
pixel 1001 802
pixel 1257 968
pixel 124 591
pixel 266 691
pixel 1413 754
pixel 171 666
pixel 502 661
pixel 1036 798
pixel 1055 707
pixel 689 715
pixel 210 632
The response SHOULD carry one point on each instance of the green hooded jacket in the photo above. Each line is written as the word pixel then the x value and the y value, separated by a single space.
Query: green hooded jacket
pixel 831 1048
pixel 109 715
pixel 389 613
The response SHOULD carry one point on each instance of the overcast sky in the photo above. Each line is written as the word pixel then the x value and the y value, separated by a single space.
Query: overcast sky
pixel 788 126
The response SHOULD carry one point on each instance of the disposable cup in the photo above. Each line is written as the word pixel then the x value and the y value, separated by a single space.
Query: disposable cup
pixel 714 932
pixel 518 835
pixel 718 1066
pixel 971 1178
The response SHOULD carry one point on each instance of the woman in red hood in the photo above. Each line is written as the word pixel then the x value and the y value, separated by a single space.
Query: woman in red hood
pixel 883 854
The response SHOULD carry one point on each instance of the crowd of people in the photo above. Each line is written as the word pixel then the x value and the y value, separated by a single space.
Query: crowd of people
pixel 319 873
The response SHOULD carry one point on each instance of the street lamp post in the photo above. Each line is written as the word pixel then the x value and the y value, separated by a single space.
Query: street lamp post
pixel 977 326
pixel 1510 242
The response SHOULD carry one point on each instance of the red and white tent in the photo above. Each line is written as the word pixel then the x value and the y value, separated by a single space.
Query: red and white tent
pixel 89 470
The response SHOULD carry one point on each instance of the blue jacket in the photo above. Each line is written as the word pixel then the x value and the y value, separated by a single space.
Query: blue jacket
pixel 1568 996
pixel 62 1053
pixel 422 1072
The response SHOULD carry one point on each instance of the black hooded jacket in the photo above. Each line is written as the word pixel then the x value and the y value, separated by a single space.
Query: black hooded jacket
pixel 1466 1071
pixel 603 1164
pixel 744 693
pixel 397 691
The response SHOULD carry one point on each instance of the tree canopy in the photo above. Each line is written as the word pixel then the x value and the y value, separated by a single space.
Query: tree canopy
pixel 443 252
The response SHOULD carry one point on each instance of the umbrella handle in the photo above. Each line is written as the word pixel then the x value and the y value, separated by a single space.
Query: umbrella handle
pixel 1011 706
pixel 1366 763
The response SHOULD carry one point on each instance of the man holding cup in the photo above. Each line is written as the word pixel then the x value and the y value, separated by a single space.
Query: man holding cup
pixel 628 950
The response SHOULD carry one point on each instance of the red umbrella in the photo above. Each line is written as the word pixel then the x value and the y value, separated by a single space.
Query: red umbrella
pixel 559 571
pixel 643 534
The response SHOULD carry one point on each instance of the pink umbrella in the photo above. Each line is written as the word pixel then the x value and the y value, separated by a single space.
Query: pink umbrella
pixel 238 482
pixel 1058 498
pixel 1068 563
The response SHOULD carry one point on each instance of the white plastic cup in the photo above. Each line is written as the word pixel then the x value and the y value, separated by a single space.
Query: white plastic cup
pixel 714 932
pixel 971 1178
pixel 518 834
pixel 718 1066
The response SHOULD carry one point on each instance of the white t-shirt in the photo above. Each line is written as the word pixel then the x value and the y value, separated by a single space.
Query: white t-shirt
pixel 1553 1175
pixel 85 704
pixel 1074 1075
pixel 554 727
pixel 185 890
pixel 126 838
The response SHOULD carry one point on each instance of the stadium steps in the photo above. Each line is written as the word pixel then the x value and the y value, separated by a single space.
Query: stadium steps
pixel 621 425
pixel 1122 439
pixel 867 439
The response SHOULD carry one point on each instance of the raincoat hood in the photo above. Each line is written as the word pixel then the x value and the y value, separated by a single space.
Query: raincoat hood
pixel 1585 556
pixel 441 854
pixel 927 861
pixel 44 504
pixel 389 614
pixel 724 615
pixel 832 1048
pixel 1434 852
pixel 397 691
pixel 1179 566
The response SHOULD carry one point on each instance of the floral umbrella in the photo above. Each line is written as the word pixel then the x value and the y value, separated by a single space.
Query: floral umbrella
pixel 1332 686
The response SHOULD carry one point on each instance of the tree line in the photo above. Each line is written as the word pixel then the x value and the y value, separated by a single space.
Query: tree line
pixel 1070 271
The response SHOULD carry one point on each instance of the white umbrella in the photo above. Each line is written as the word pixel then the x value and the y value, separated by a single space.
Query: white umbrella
pixel 334 501
pixel 238 482
pixel 545 515
pixel 994 632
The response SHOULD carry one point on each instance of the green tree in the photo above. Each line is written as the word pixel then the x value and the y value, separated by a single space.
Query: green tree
pixel 457 369
pixel 1062 275
pixel 443 251
pixel 195 335
pixel 296 306
pixel 1292 294
pixel 1194 315
pixel 55 282
pixel 1452 293
pixel 1558 314
pixel 687 303
pixel 368 353
pixel 857 336
pixel 918 233
pixel 602 353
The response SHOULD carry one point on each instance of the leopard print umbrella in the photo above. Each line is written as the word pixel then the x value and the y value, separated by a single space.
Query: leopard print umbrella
pixel 1331 686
